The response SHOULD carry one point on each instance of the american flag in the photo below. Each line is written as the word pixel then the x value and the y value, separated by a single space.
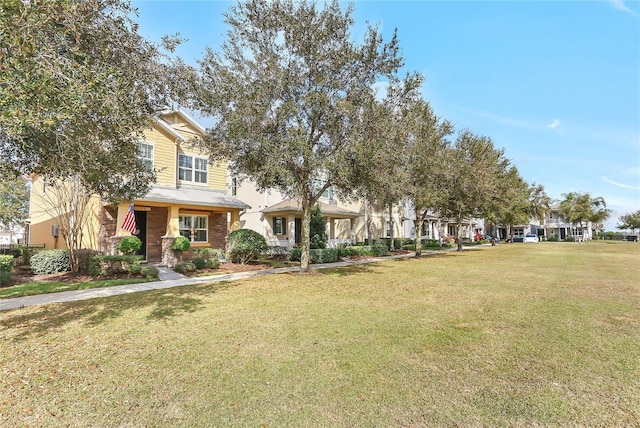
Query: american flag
pixel 130 221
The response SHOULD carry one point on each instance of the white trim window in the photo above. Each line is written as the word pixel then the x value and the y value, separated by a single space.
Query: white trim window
pixel 145 154
pixel 192 168
pixel 279 225
pixel 193 227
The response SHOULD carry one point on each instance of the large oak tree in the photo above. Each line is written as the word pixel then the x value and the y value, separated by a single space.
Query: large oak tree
pixel 288 91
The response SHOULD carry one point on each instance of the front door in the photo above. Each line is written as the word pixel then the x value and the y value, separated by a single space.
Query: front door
pixel 298 231
pixel 141 223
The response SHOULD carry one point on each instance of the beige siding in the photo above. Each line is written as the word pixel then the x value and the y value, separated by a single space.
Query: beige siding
pixel 164 157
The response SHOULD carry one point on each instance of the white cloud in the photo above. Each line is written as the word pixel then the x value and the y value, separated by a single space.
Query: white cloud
pixel 554 124
pixel 624 186
pixel 619 5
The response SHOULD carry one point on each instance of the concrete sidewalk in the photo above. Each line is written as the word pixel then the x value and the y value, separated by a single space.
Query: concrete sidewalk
pixel 168 279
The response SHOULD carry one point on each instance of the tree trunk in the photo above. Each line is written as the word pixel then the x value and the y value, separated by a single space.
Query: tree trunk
pixel 459 225
pixel 306 244
pixel 418 233
pixel 392 247
pixel 369 221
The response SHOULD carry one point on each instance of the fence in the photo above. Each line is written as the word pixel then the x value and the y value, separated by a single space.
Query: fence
pixel 8 248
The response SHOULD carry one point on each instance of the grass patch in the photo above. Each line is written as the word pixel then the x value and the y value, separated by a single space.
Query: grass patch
pixel 512 335
pixel 33 288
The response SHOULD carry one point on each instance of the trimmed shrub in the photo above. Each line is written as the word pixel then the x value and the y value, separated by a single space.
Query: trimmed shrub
pixel 278 252
pixel 212 263
pixel 150 272
pixel 323 255
pixel 50 261
pixel 180 244
pixel 553 239
pixel 5 278
pixel 198 262
pixel 245 245
pixel 295 254
pixel 109 265
pixel 347 251
pixel 129 245
pixel 185 267
pixel 6 263
pixel 84 259
pixel 209 253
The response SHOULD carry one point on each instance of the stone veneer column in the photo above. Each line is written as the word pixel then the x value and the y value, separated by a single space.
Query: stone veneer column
pixel 168 256
pixel 115 240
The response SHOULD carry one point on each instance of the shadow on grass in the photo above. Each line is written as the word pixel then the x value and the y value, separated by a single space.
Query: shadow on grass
pixel 162 304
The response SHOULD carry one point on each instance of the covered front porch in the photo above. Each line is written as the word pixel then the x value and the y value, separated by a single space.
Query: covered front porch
pixel 204 217
pixel 283 223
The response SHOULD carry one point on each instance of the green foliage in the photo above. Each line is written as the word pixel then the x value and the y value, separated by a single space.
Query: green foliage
pixel 83 258
pixel 110 265
pixel 185 267
pixel 212 263
pixel 150 271
pixel 181 244
pixel 209 253
pixel 78 86
pixel 6 263
pixel 14 200
pixel 295 254
pixel 278 252
pixel 50 261
pixel 553 239
pixel 304 97
pixel 629 221
pixel 317 229
pixel 323 255
pixel 245 245
pixel 129 245
pixel 5 278
pixel 198 262
pixel 580 208
pixel 379 249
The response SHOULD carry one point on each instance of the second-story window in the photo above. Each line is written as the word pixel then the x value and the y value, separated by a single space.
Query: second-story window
pixel 191 168
pixel 145 154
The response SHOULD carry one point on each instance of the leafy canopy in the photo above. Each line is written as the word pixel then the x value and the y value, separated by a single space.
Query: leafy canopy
pixel 78 85
pixel 288 90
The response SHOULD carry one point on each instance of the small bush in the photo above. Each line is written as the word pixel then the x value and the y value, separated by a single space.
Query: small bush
pixel 347 251
pixel 50 261
pixel 569 239
pixel 185 267
pixel 245 245
pixel 5 278
pixel 198 262
pixel 84 259
pixel 109 265
pixel 323 255
pixel 150 272
pixel 180 244
pixel 278 252
pixel 212 263
pixel 553 239
pixel 209 253
pixel 6 263
pixel 295 254
pixel 129 245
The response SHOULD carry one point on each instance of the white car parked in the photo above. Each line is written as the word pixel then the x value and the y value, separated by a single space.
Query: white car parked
pixel 530 237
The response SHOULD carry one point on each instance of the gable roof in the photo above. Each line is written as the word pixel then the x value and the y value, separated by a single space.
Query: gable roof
pixel 294 205
pixel 191 196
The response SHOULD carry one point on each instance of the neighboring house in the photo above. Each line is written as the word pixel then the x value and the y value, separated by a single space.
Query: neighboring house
pixel 189 199
pixel 556 227
pixel 11 235
pixel 279 219
pixel 434 227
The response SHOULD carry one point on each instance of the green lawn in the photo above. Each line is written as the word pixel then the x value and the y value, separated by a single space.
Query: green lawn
pixel 43 287
pixel 514 335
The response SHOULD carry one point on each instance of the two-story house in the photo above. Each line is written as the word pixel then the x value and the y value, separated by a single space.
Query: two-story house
pixel 189 198
pixel 279 219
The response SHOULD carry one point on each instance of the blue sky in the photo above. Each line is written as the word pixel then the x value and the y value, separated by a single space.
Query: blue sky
pixel 554 83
